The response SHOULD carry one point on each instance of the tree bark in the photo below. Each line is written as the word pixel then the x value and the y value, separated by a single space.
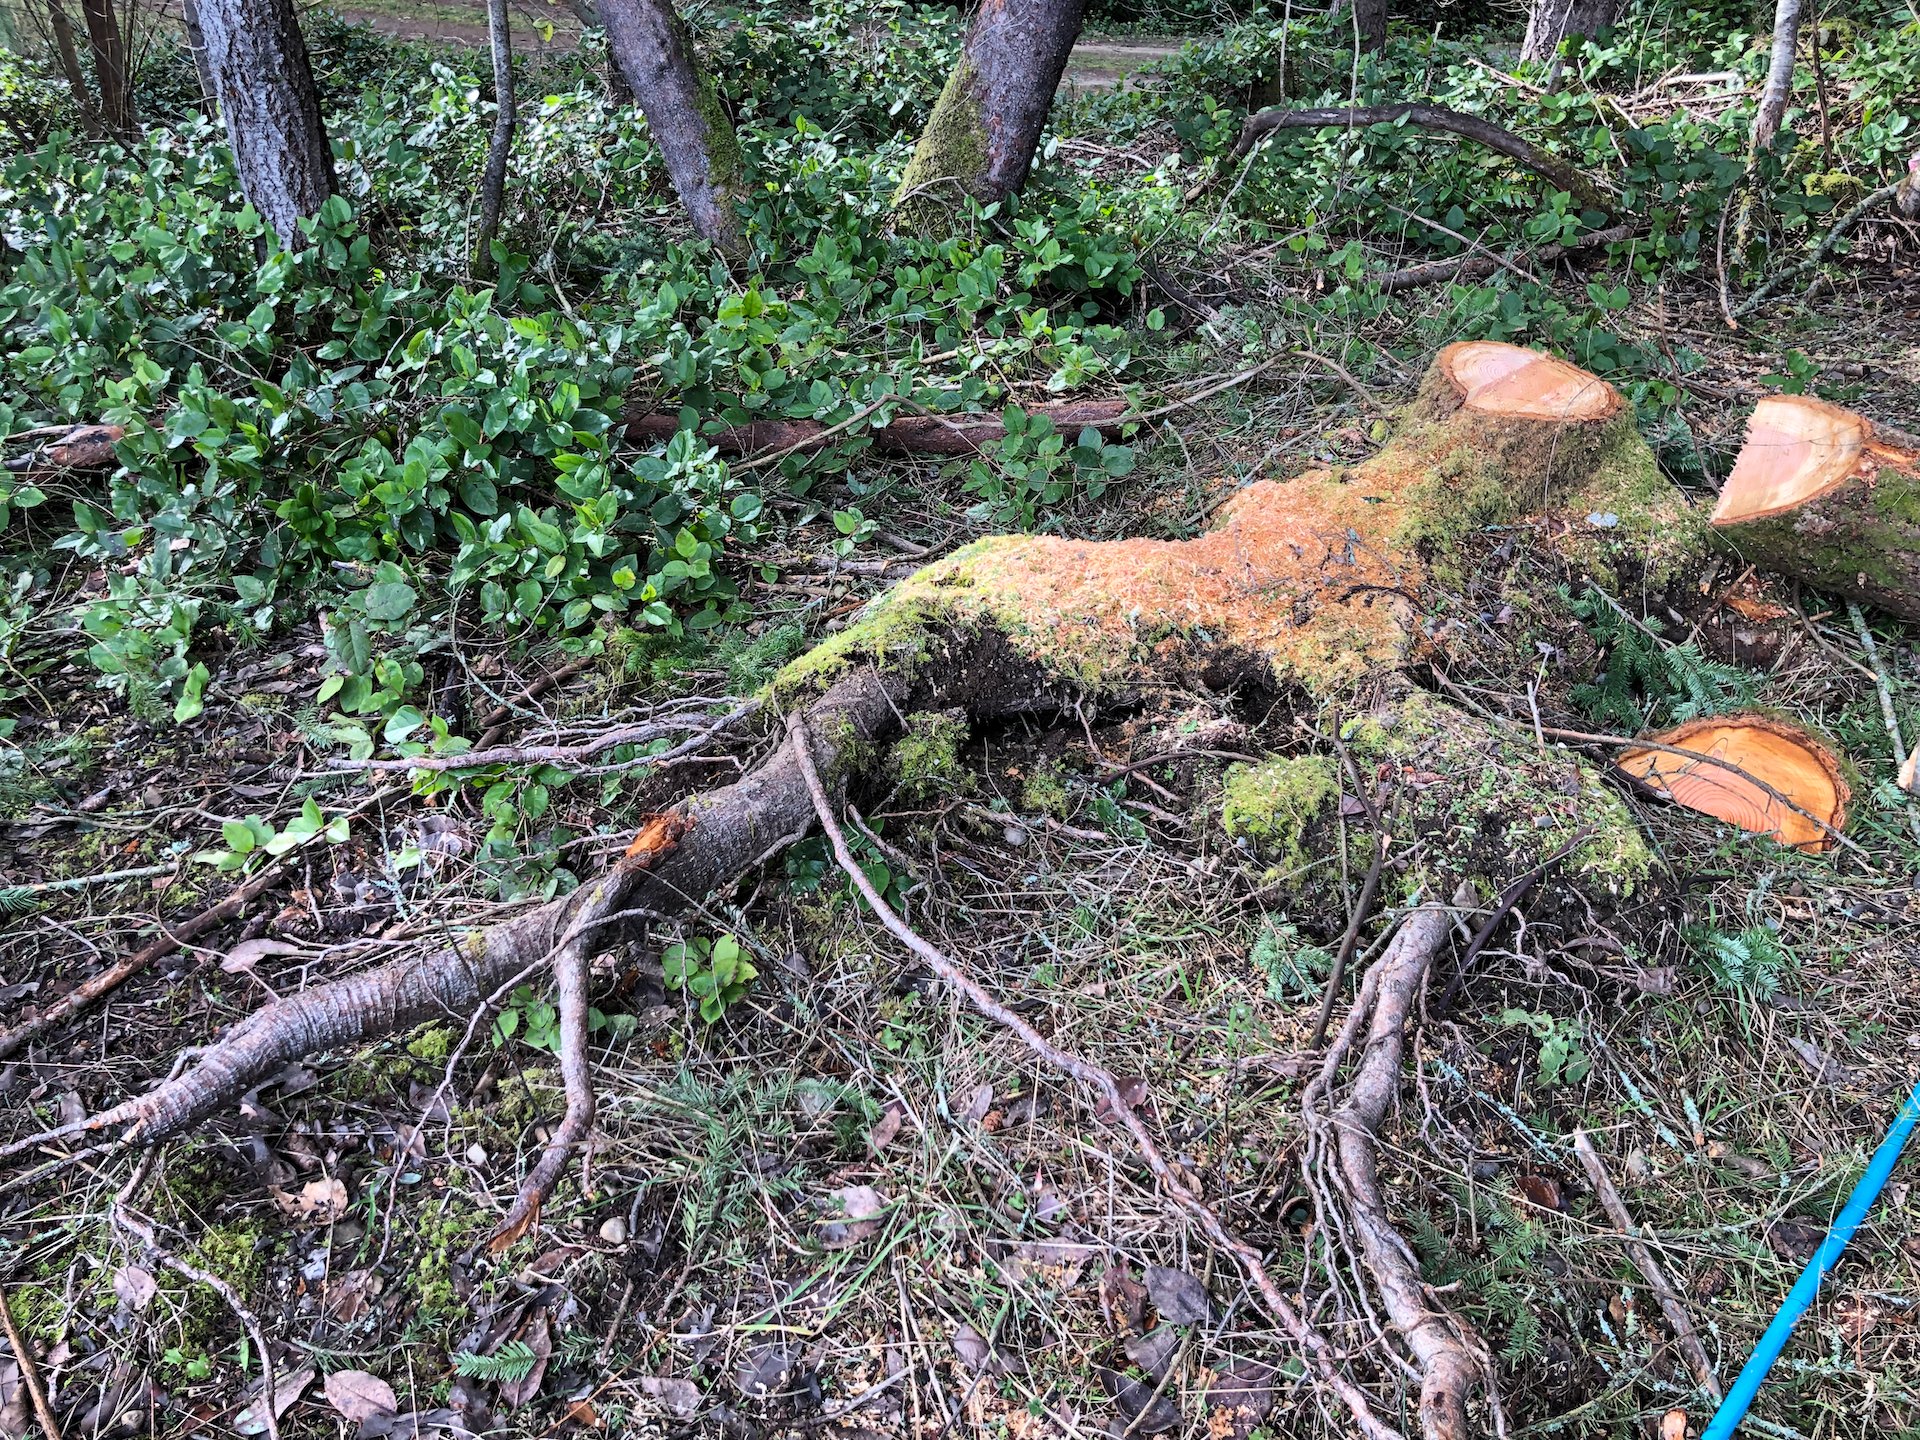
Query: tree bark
pixel 493 180
pixel 1551 21
pixel 265 88
pixel 649 42
pixel 980 139
pixel 197 43
pixel 109 46
pixel 1779 84
pixel 1370 25
pixel 70 67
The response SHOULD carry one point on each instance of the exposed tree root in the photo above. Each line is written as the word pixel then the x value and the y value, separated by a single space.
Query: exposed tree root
pixel 1312 1344
pixel 725 831
pixel 1449 1369
pixel 1548 167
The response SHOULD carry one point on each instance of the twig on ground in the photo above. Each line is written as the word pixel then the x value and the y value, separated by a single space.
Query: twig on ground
pixel 29 1371
pixel 1888 716
pixel 1503 907
pixel 124 1218
pixel 1551 168
pixel 1670 1304
pixel 81 882
pixel 1313 1345
pixel 568 754
pixel 1793 272
pixel 1478 267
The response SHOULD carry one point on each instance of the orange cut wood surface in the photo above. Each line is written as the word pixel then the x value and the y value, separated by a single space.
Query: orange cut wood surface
pixel 1500 379
pixel 1796 448
pixel 1784 757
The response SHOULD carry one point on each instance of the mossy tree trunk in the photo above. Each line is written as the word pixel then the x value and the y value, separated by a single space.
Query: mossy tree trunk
pixel 264 84
pixel 649 42
pixel 980 139
pixel 1551 21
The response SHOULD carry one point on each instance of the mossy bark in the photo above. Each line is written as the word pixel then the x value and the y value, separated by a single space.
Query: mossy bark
pixel 981 137
pixel 650 43
pixel 1860 539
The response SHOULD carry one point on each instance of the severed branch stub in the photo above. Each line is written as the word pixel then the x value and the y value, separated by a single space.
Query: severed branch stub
pixel 1828 497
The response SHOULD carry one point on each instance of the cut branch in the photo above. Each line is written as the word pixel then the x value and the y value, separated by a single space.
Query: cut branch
pixel 1551 168
pixel 1478 267
pixel 1829 497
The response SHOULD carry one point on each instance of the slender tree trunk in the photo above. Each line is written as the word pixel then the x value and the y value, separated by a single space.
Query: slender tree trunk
pixel 70 67
pixel 1779 85
pixel 1551 21
pixel 651 45
pixel 980 138
pixel 1370 21
pixel 197 43
pixel 493 180
pixel 109 47
pixel 265 87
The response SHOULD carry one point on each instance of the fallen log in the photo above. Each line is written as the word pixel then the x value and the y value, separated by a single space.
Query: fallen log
pixel 1549 167
pixel 79 447
pixel 1757 771
pixel 959 434
pixel 1479 267
pixel 1828 497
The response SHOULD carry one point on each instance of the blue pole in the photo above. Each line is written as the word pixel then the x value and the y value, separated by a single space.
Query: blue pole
pixel 1733 1409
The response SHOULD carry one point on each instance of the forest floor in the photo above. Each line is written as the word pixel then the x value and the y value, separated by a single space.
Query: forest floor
pixel 853 1208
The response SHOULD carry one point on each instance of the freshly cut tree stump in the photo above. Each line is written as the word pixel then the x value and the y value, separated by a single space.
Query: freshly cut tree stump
pixel 1784 757
pixel 1827 496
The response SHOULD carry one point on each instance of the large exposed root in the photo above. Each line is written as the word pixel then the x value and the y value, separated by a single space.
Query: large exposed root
pixel 1449 1370
pixel 1312 1344
pixel 727 830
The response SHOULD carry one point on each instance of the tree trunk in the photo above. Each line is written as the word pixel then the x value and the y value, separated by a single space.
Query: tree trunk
pixel 70 67
pixel 1779 85
pixel 1370 25
pixel 1828 497
pixel 1551 21
pixel 493 180
pixel 197 43
pixel 267 97
pixel 650 43
pixel 109 46
pixel 980 138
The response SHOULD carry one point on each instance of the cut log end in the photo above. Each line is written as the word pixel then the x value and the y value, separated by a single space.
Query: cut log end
pixel 1505 380
pixel 1782 757
pixel 1796 449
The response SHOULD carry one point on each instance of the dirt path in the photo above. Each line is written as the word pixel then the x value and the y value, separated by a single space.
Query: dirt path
pixel 1096 64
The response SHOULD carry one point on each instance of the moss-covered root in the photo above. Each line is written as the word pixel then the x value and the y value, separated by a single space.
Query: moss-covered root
pixel 1475 803
pixel 1320 577
pixel 980 139
pixel 1827 496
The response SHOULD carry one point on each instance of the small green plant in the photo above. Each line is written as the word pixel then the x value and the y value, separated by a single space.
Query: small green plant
pixel 251 838
pixel 512 1362
pixel 191 1365
pixel 533 1018
pixel 1751 963
pixel 1561 1059
pixel 716 973
pixel 1294 967
pixel 1647 679
pixel 1034 468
